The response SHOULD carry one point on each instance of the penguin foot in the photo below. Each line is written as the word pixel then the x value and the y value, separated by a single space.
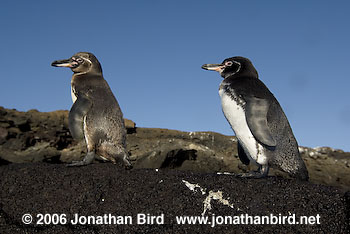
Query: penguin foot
pixel 260 173
pixel 128 167
pixel 127 164
pixel 89 157
pixel 77 164
pixel 252 174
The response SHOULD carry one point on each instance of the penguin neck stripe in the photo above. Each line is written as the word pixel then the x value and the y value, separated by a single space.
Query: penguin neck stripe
pixel 80 73
pixel 239 66
pixel 89 61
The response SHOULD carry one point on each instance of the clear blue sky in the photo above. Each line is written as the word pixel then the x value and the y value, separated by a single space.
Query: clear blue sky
pixel 152 51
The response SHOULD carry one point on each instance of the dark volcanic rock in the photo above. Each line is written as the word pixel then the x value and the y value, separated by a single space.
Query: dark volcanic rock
pixel 33 136
pixel 98 189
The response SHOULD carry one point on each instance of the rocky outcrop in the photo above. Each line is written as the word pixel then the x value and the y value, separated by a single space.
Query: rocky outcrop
pixel 98 190
pixel 34 180
pixel 34 136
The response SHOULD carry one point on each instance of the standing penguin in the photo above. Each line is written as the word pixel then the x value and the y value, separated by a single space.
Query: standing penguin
pixel 261 127
pixel 95 114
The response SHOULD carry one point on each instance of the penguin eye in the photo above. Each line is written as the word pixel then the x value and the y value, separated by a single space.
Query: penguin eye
pixel 80 60
pixel 228 63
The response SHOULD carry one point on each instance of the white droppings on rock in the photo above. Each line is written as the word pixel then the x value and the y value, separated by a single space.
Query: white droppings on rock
pixel 303 149
pixel 192 187
pixel 233 139
pixel 225 173
pixel 198 147
pixel 153 154
pixel 326 150
pixel 211 196
pixel 216 196
pixel 311 154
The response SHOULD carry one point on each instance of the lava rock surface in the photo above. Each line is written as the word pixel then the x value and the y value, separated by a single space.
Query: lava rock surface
pixel 104 188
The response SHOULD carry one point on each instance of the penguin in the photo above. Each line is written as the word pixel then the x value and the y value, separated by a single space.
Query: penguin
pixel 262 129
pixel 95 114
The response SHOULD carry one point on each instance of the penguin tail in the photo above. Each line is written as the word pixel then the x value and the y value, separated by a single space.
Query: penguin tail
pixel 301 173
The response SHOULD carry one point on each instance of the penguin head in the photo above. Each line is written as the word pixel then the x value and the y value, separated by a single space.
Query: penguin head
pixel 233 66
pixel 82 62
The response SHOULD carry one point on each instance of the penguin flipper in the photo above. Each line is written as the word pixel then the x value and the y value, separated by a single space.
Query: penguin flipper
pixel 256 115
pixel 242 155
pixel 76 116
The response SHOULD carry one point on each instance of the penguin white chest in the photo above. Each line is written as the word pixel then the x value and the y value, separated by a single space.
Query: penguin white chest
pixel 74 98
pixel 235 115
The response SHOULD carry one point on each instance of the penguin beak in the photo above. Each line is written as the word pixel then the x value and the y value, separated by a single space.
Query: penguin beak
pixel 213 67
pixel 65 63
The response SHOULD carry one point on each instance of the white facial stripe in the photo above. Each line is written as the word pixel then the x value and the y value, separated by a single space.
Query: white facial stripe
pixel 75 59
pixel 88 60
pixel 239 66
